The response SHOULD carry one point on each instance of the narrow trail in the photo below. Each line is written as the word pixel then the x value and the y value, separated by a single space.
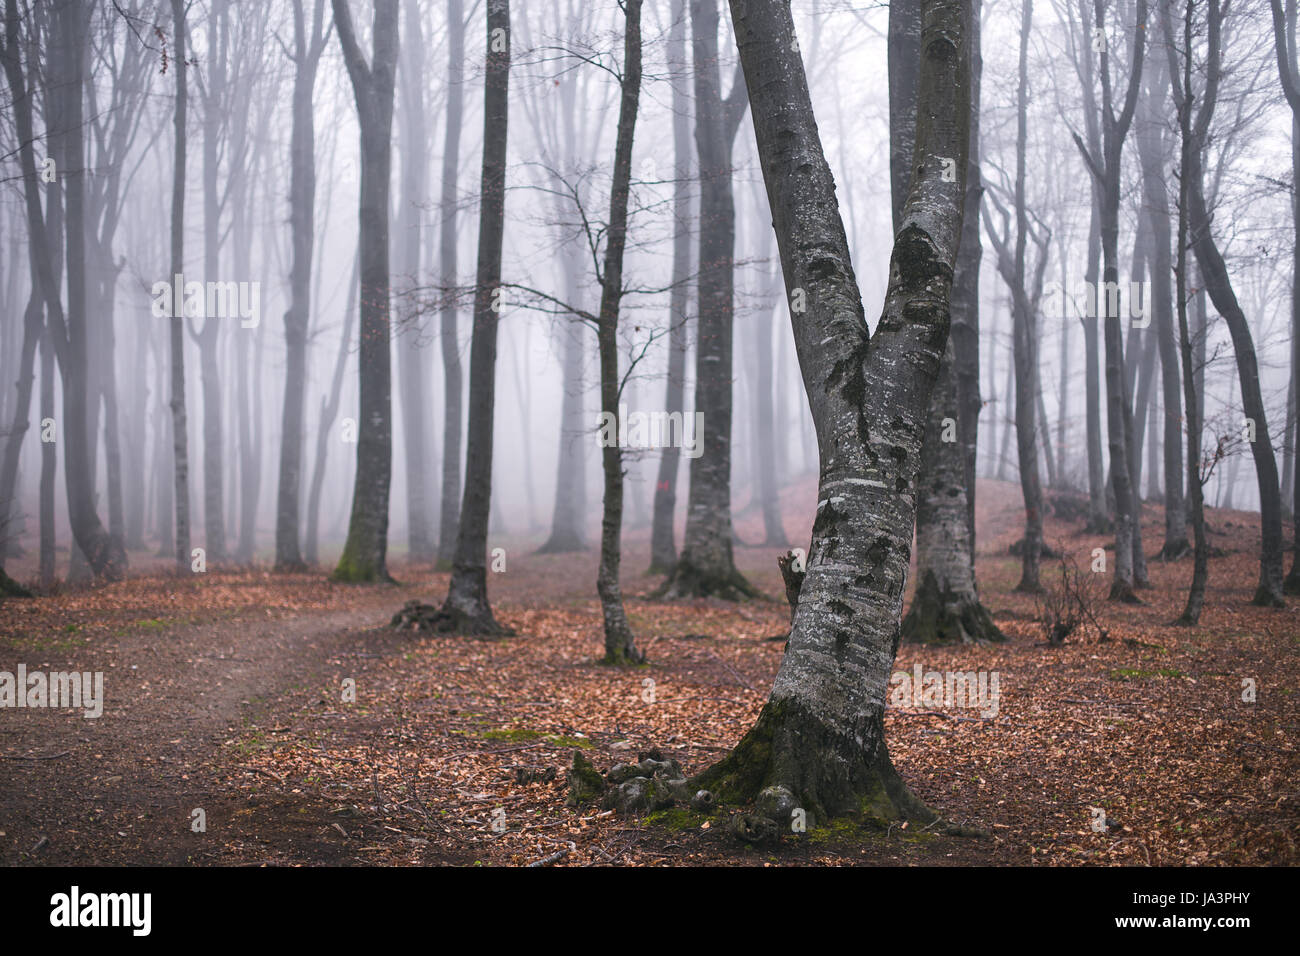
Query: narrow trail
pixel 121 788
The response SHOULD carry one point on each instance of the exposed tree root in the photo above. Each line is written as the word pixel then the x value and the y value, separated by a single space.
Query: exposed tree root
pixel 790 760
pixel 415 616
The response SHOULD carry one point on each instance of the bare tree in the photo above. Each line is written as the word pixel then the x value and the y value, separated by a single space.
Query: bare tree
pixel 308 45
pixel 449 500
pixel 1219 286
pixel 706 565
pixel 1106 169
pixel 946 607
pixel 1289 72
pixel 819 741
pixel 663 548
pixel 620 647
pixel 467 609
pixel 365 553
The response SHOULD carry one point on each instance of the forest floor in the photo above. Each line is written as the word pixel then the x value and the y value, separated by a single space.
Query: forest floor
pixel 224 693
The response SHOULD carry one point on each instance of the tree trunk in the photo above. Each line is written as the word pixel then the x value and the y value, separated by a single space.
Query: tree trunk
pixel 946 606
pixel 329 408
pixel 1285 48
pixel 104 553
pixel 411 354
pixel 706 565
pixel 302 225
pixel 466 609
pixel 1191 381
pixel 180 430
pixel 663 548
pixel 1105 168
pixel 571 471
pixel 365 552
pixel 820 737
pixel 619 645
pixel 966 290
pixel 1219 286
pixel 1153 152
pixel 449 509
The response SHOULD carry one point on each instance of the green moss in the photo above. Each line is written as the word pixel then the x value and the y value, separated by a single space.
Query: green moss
pixel 676 818
pixel 585 783
pixel 513 734
pixel 738 777
pixel 569 742
pixel 1129 673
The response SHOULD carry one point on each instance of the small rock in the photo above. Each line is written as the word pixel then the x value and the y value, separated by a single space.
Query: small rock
pixel 776 803
pixel 621 772
pixel 667 769
pixel 702 801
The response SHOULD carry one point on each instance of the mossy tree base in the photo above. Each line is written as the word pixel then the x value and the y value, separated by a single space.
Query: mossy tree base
pixel 356 570
pixel 623 657
pixel 939 616
pixel 11 588
pixel 688 581
pixel 827 773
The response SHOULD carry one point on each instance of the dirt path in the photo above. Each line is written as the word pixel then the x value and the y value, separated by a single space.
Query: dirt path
pixel 121 788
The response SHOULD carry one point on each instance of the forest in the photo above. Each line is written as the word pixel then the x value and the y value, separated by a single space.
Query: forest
pixel 640 433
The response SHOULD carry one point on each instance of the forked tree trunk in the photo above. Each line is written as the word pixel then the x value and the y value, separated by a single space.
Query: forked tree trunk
pixel 104 552
pixel 820 737
pixel 1105 168
pixel 706 565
